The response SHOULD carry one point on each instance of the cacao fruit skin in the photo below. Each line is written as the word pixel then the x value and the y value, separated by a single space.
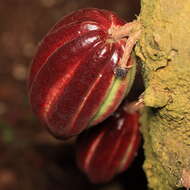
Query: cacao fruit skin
pixel 71 82
pixel 108 149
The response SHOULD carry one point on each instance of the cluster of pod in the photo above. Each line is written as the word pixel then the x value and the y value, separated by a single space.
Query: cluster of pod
pixel 78 78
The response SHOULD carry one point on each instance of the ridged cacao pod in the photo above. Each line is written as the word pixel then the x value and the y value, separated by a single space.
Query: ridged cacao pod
pixel 108 149
pixel 71 83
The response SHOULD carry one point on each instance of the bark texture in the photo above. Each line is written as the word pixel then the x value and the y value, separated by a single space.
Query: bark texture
pixel 164 50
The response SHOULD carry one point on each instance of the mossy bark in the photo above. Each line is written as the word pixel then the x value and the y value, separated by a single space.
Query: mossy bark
pixel 164 50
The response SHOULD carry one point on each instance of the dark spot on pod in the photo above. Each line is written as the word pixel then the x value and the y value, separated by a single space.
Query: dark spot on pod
pixel 120 72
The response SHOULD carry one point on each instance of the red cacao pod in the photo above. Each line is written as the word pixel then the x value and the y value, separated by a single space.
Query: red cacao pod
pixel 71 83
pixel 108 149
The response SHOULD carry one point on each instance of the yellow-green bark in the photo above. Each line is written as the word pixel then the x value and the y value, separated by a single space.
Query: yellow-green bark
pixel 164 49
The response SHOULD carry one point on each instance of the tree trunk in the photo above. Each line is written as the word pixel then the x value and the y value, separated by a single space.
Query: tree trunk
pixel 164 50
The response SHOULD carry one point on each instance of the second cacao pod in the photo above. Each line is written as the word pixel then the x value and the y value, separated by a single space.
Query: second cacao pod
pixel 108 149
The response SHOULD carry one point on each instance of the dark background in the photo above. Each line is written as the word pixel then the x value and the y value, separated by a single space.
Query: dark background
pixel 30 159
